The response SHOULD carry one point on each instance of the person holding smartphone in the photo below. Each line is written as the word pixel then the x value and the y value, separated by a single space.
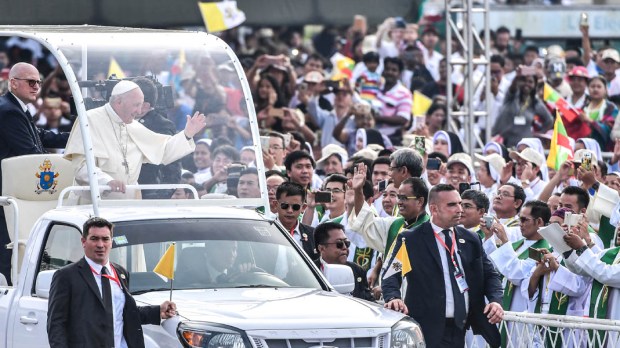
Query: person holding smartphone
pixel 515 119
pixel 512 259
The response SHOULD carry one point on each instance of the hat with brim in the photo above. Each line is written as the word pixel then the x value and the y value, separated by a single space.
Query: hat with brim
pixel 530 155
pixel 367 153
pixel 611 53
pixel 579 71
pixel 496 163
pixel 463 159
pixel 333 149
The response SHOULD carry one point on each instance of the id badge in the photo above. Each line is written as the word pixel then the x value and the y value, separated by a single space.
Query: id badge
pixel 519 120
pixel 461 282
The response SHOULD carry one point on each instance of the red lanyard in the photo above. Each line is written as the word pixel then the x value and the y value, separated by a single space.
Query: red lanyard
pixel 451 250
pixel 114 277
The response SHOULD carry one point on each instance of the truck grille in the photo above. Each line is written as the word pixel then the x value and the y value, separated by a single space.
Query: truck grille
pixel 357 342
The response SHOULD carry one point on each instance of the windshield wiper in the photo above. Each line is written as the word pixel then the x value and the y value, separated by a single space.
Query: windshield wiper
pixel 257 286
pixel 140 292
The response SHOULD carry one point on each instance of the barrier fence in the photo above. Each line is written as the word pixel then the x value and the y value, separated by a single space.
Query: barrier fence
pixel 525 330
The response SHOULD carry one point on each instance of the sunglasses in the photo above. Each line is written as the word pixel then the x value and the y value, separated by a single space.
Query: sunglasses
pixel 285 206
pixel 31 82
pixel 405 197
pixel 340 244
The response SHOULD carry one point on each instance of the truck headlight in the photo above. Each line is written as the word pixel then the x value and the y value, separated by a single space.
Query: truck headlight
pixel 208 335
pixel 407 334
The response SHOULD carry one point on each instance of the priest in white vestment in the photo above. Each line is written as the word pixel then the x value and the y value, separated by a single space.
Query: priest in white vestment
pixel 121 145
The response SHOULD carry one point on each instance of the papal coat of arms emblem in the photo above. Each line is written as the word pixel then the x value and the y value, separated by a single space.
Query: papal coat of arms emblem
pixel 47 178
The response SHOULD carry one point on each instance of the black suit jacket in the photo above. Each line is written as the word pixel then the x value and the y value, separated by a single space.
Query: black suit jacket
pixel 307 242
pixel 425 296
pixel 76 315
pixel 361 290
pixel 16 134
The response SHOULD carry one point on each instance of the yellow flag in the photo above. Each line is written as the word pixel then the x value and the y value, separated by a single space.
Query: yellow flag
pixel 220 16
pixel 115 69
pixel 165 266
pixel 403 257
pixel 421 104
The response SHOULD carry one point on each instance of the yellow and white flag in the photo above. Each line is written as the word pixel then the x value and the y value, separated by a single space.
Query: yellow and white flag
pixel 165 266
pixel 220 16
pixel 115 69
pixel 400 262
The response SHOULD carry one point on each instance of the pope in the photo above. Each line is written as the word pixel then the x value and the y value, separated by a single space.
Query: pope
pixel 121 145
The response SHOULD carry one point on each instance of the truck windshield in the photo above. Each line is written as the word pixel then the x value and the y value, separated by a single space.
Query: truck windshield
pixel 218 253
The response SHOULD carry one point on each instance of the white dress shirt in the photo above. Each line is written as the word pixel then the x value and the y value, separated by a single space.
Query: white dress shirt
pixel 446 270
pixel 118 299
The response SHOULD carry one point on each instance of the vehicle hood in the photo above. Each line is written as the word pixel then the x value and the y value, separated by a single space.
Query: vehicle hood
pixel 266 308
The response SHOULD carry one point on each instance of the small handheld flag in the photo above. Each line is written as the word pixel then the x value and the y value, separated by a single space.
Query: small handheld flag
pixel 165 266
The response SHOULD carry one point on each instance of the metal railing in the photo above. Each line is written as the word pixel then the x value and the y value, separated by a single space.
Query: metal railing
pixel 523 330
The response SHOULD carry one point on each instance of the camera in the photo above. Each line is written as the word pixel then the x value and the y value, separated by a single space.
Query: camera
pixel 165 99
pixel 488 220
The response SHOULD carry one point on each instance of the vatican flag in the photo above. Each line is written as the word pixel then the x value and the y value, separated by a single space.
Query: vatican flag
pixel 220 16
pixel 115 69
pixel 165 266
pixel 400 262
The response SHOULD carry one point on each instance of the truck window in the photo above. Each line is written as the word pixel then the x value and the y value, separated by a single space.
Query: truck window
pixel 213 253
pixel 63 247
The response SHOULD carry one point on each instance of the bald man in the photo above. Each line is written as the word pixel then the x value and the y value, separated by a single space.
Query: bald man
pixel 19 135
pixel 121 145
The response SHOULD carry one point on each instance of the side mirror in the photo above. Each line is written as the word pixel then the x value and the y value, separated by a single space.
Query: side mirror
pixel 44 282
pixel 340 277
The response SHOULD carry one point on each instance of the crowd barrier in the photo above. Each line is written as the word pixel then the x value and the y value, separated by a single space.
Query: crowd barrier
pixel 525 330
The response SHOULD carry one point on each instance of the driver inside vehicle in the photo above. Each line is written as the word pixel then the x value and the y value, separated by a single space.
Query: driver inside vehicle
pixel 215 263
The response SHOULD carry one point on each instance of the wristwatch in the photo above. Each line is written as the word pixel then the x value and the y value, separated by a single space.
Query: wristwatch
pixel 581 250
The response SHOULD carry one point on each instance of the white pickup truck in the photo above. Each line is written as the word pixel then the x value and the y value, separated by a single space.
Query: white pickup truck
pixel 282 301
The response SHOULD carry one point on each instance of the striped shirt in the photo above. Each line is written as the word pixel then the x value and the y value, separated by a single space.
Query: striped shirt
pixel 396 102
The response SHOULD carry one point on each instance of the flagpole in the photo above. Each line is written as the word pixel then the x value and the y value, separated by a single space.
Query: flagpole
pixel 172 280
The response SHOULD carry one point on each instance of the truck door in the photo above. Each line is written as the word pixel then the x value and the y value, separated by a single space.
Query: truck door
pixel 62 247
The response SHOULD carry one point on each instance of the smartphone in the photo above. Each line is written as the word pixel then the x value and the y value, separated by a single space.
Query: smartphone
pixel 330 86
pixel 419 145
pixel 528 70
pixel 463 187
pixel 264 143
pixel 235 169
pixel 382 185
pixel 323 197
pixel 488 220
pixel 303 86
pixel 518 34
pixel 586 162
pixel 535 254
pixel 276 112
pixel 433 164
pixel 583 20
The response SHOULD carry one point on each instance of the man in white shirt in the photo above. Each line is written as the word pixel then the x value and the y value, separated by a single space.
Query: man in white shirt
pixel 90 304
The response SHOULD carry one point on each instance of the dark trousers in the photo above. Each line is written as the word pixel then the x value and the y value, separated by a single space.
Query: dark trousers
pixel 5 254
pixel 453 337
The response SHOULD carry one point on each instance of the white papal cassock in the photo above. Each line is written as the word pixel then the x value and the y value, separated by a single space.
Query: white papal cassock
pixel 116 144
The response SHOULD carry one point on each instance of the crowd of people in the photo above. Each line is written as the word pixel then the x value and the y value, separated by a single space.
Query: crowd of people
pixel 344 154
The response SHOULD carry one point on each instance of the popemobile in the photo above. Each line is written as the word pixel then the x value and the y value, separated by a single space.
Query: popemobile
pixel 283 301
